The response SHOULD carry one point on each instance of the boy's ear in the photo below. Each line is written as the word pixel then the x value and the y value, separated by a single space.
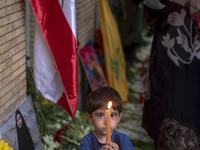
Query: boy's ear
pixel 89 117
pixel 119 117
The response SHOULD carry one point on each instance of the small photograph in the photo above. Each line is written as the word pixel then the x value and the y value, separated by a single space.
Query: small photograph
pixel 20 129
pixel 92 67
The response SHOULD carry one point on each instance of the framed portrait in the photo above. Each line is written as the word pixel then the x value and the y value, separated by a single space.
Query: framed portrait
pixel 20 128
pixel 92 67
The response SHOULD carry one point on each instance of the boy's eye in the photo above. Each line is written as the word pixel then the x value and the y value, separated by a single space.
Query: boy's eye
pixel 114 115
pixel 100 115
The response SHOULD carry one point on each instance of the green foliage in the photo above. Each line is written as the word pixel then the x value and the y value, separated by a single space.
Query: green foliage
pixel 39 109
pixel 71 136
pixel 31 89
pixel 52 117
pixel 140 145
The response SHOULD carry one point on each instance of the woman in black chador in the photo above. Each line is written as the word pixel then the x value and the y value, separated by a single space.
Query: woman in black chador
pixel 25 141
pixel 174 67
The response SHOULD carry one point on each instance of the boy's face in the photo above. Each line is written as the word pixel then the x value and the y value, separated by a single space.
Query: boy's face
pixel 98 118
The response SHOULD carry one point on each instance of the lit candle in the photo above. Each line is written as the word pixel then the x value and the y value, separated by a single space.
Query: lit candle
pixel 108 124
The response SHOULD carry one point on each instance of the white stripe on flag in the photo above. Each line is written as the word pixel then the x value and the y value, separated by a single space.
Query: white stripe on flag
pixel 46 76
pixel 69 11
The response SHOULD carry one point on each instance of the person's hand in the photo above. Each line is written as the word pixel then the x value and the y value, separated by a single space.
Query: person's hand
pixel 111 146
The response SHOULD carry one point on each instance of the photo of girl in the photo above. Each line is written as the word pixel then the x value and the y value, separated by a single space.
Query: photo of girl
pixel 25 141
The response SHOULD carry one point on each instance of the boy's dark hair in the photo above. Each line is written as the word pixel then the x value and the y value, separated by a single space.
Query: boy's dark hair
pixel 174 136
pixel 101 96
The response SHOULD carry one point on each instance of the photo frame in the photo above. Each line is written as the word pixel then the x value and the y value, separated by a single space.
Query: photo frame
pixel 24 135
pixel 92 67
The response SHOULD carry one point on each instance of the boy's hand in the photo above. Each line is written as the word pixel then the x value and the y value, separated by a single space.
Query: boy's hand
pixel 112 146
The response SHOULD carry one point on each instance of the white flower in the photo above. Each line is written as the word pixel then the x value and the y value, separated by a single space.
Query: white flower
pixel 49 143
pixel 69 118
pixel 77 114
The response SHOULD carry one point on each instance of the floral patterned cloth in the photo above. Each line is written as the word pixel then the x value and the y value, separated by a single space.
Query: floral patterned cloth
pixel 174 68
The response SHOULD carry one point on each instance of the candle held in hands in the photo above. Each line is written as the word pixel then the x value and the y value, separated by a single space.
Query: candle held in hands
pixel 108 124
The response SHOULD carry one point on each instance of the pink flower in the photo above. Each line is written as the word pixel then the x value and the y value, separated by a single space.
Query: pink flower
pixel 141 68
pixel 57 136
pixel 142 74
pixel 141 100
pixel 196 18
pixel 147 59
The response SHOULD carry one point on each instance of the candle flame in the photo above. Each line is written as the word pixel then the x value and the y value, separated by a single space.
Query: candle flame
pixel 109 104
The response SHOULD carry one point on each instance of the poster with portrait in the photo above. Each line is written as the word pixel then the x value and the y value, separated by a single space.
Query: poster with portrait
pixel 20 128
pixel 92 67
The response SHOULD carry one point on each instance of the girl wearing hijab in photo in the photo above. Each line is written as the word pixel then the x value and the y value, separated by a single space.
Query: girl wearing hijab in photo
pixel 25 141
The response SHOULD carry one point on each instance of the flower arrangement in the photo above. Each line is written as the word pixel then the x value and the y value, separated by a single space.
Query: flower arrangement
pixel 4 145
pixel 67 133
pixel 195 11
pixel 49 143
pixel 57 129
pixel 69 136
pixel 138 80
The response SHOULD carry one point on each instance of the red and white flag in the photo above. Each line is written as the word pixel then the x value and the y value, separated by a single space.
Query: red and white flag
pixel 55 52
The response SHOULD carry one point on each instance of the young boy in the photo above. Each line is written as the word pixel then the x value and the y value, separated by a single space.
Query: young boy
pixel 96 106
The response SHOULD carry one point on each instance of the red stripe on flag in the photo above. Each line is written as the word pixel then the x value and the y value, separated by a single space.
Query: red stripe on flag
pixel 62 45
